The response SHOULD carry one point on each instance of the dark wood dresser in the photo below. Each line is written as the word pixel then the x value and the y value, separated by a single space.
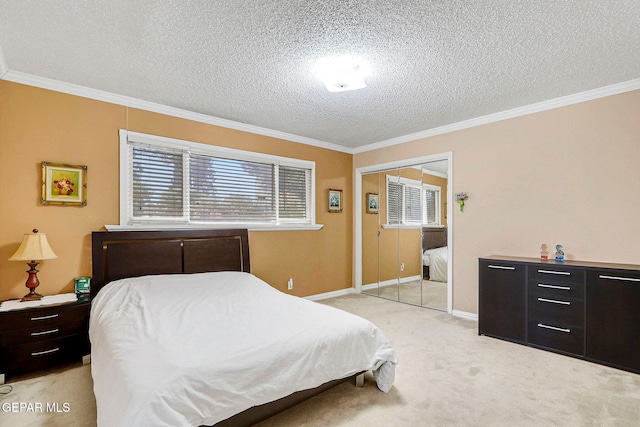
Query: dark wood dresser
pixel 582 309
pixel 42 337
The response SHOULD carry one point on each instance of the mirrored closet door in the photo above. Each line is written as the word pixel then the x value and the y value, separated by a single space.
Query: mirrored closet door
pixel 404 235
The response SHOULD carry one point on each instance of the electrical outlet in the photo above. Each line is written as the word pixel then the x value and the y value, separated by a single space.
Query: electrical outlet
pixel 290 284
pixel 402 267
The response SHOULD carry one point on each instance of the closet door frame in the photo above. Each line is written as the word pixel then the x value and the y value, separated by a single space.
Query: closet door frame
pixel 357 202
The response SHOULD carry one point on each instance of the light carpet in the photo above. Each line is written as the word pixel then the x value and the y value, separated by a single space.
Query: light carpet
pixel 447 375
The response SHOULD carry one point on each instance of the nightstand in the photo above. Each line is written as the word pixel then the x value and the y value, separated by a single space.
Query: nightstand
pixel 44 336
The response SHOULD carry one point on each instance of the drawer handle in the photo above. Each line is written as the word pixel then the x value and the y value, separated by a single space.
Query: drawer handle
pixel 542 325
pixel 554 301
pixel 561 273
pixel 40 353
pixel 563 288
pixel 52 331
pixel 501 267
pixel 51 316
pixel 626 279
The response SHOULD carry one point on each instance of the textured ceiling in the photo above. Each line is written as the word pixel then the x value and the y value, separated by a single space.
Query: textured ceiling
pixel 432 62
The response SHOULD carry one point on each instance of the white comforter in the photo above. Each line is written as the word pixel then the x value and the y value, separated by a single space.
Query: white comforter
pixel 187 350
pixel 436 260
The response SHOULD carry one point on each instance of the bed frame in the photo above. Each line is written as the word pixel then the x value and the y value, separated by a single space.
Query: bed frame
pixel 432 238
pixel 121 254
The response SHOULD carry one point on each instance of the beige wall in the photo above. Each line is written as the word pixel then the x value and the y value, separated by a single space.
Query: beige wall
pixel 40 125
pixel 568 175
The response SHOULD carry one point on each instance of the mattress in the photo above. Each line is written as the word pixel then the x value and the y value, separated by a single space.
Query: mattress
pixel 436 260
pixel 187 350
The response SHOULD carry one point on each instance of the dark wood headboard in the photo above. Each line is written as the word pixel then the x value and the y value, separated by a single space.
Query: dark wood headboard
pixel 433 237
pixel 120 254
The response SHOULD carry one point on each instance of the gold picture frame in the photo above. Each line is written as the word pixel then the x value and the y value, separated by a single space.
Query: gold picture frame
pixel 373 203
pixel 64 184
pixel 335 200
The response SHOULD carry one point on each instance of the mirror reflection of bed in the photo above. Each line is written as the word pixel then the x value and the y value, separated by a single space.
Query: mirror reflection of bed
pixel 434 267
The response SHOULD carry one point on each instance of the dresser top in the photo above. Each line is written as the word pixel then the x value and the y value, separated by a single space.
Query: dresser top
pixel 569 263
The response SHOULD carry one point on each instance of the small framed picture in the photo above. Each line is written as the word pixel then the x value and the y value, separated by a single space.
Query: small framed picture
pixel 373 203
pixel 335 200
pixel 64 184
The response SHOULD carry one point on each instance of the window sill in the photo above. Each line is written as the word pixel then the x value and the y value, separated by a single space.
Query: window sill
pixel 250 227
pixel 402 226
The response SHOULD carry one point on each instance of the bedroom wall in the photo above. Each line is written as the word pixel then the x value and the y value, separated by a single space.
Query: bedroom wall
pixel 568 175
pixel 40 125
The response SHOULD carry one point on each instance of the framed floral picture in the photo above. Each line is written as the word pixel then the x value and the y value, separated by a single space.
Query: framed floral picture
pixel 373 203
pixel 64 184
pixel 335 200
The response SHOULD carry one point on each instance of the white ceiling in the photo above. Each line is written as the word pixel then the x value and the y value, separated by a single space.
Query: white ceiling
pixel 432 62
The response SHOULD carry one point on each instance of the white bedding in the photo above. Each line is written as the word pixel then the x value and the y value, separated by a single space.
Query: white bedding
pixel 436 260
pixel 187 350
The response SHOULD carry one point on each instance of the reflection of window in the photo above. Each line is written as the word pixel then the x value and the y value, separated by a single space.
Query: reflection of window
pixel 177 182
pixel 431 213
pixel 409 202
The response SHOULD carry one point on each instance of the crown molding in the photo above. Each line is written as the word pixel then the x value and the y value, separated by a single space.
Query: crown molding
pixel 563 101
pixel 99 95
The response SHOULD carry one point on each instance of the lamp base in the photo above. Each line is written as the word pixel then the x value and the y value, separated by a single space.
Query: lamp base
pixel 31 296
pixel 32 283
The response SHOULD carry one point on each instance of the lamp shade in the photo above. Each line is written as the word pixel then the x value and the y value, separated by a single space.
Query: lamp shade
pixel 34 247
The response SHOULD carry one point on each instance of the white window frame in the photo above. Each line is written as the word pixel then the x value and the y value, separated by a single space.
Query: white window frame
pixel 438 190
pixel 406 182
pixel 126 215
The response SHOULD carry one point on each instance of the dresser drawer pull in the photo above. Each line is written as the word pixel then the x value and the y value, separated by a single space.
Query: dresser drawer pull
pixel 51 316
pixel 40 353
pixel 562 288
pixel 501 267
pixel 561 273
pixel 542 325
pixel 554 301
pixel 52 331
pixel 626 279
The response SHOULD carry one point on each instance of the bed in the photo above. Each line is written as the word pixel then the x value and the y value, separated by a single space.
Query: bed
pixel 434 254
pixel 183 334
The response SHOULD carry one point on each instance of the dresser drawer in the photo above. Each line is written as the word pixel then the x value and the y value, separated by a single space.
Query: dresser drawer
pixel 554 274
pixel 556 289
pixel 559 337
pixel 556 311
pixel 13 337
pixel 43 354
pixel 43 316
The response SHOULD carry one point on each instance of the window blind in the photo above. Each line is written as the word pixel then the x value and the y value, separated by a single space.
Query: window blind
pixel 412 205
pixel 430 207
pixel 394 203
pixel 157 183
pixel 173 184
pixel 294 192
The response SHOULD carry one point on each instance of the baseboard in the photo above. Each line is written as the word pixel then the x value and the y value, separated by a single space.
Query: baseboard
pixel 332 294
pixel 390 282
pixel 465 315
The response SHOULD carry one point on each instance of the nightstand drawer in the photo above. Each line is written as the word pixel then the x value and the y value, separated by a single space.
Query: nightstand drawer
pixel 43 316
pixel 44 332
pixel 556 336
pixel 43 354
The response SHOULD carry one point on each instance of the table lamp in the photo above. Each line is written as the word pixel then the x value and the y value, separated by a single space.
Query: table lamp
pixel 34 248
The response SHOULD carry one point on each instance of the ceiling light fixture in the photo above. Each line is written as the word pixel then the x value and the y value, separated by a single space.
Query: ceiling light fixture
pixel 341 73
